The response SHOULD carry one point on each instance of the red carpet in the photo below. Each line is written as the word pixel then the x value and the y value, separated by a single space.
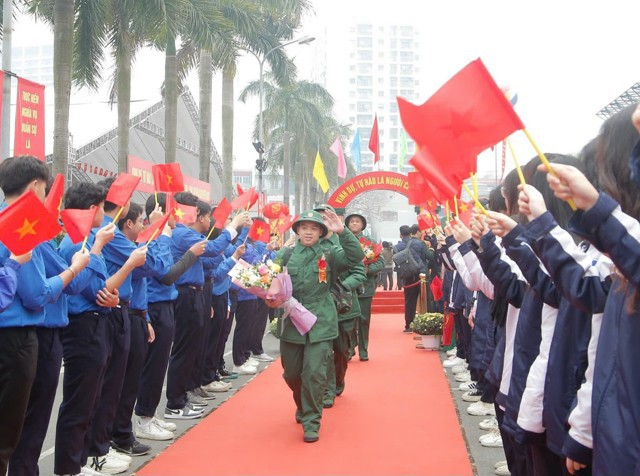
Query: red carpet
pixel 396 416
pixel 387 302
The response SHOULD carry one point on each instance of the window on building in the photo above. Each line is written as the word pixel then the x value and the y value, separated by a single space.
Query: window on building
pixel 393 69
pixel 406 31
pixel 406 44
pixel 364 42
pixel 406 69
pixel 365 81
pixel 406 56
pixel 406 82
pixel 364 106
pixel 365 55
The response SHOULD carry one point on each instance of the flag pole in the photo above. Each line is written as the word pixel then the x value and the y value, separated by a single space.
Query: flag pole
pixel 546 163
pixel 84 243
pixel 474 182
pixel 455 205
pixel 515 161
pixel 475 199
pixel 115 220
pixel 153 235
pixel 155 194
pixel 210 231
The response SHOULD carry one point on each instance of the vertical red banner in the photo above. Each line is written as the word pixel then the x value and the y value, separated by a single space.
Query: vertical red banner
pixel 29 136
pixel 1 91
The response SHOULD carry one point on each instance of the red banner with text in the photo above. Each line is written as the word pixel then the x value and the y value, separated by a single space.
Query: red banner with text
pixel 1 90
pixel 29 133
pixel 142 168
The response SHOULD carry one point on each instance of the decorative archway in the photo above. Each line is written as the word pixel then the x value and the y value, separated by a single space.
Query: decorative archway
pixel 368 182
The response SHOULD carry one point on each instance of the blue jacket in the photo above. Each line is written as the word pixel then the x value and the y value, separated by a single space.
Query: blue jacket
pixel 568 353
pixel 184 238
pixel 85 300
pixel 616 384
pixel 56 312
pixel 8 283
pixel 418 250
pixel 156 291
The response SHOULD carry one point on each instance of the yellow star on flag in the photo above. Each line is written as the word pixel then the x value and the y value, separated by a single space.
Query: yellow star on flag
pixel 169 179
pixel 27 228
pixel 178 212
pixel 259 230
pixel 464 207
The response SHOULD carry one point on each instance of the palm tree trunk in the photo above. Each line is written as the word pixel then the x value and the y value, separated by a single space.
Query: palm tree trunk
pixel 170 101
pixel 206 90
pixel 63 15
pixel 286 166
pixel 298 186
pixel 228 75
pixel 124 100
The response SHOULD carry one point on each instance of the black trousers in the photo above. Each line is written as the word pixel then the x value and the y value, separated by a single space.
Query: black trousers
pixel 215 350
pixel 84 350
pixel 18 362
pixel 157 360
pixel 245 312
pixel 545 462
pixel 386 278
pixel 258 327
pixel 119 334
pixel 197 372
pixel 517 455
pixel 24 461
pixel 463 335
pixel 122 432
pixel 187 344
pixel 411 296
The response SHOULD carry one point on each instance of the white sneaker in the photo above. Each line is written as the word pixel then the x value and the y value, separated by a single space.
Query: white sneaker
pixel 194 399
pixel 188 412
pixel 452 362
pixel 146 428
pixel 452 352
pixel 217 386
pixel 263 357
pixel 463 376
pixel 252 361
pixel 245 369
pixel 471 396
pixel 503 470
pixel 458 369
pixel 490 424
pixel 500 463
pixel 107 464
pixel 466 386
pixel 114 454
pixel 86 471
pixel 165 425
pixel 491 439
pixel 481 409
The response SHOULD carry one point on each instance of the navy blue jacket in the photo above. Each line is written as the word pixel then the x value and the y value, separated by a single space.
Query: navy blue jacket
pixel 616 385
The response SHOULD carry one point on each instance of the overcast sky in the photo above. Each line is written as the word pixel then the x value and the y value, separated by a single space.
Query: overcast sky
pixel 565 59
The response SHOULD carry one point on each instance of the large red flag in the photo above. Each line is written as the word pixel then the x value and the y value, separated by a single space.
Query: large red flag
pixel 185 214
pixel 419 191
pixel 26 223
pixel 467 115
pixel 374 141
pixel 122 188
pixel 29 130
pixel 284 223
pixel 53 202
pixel 154 230
pixel 78 222
pixel 221 213
pixel 425 221
pixel 245 200
pixel 444 182
pixel 167 177
pixel 260 231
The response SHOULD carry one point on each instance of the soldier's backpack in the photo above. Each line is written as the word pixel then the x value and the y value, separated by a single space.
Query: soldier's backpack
pixel 406 264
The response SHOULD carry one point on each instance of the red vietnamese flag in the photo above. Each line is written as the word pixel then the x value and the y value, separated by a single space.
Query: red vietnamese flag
pixel 167 177
pixel 260 231
pixel 221 213
pixel 53 202
pixel 425 221
pixel 444 181
pixel 122 188
pixel 374 141
pixel 465 211
pixel 239 189
pixel 284 223
pixel 185 214
pixel 246 200
pixel 419 190
pixel 467 115
pixel 154 230
pixel 78 223
pixel 26 223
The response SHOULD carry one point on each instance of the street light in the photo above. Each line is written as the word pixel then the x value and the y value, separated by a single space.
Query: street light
pixel 259 146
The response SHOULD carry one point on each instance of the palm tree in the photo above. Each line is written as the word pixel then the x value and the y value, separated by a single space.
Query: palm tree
pixel 293 115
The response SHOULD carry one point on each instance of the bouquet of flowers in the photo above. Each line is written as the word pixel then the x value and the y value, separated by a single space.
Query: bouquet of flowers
pixel 371 250
pixel 268 281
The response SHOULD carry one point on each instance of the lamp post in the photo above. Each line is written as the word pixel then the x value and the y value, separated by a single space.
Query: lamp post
pixel 261 164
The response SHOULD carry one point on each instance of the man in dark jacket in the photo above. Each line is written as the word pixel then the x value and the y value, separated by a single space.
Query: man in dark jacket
pixel 411 289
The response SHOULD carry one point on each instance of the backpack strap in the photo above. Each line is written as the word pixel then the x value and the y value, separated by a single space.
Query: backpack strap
pixel 286 255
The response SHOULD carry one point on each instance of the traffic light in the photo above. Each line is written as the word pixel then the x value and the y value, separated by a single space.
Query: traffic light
pixel 261 165
pixel 259 147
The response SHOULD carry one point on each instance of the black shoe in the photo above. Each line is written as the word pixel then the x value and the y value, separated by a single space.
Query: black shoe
pixel 136 449
pixel 225 374
pixel 327 405
pixel 364 359
pixel 407 330
pixel 339 389
pixel 311 437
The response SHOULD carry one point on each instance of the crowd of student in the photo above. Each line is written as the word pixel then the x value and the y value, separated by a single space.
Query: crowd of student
pixel 545 302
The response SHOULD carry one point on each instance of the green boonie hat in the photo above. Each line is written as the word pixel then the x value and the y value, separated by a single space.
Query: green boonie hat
pixel 323 207
pixel 364 220
pixel 312 216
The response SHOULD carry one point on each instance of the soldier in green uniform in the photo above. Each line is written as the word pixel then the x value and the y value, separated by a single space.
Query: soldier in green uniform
pixel 352 279
pixel 357 223
pixel 305 357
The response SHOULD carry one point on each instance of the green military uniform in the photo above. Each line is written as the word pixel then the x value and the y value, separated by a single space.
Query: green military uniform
pixel 305 358
pixel 364 319
pixel 337 369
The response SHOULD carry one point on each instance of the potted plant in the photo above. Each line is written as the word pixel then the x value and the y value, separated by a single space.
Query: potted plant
pixel 429 327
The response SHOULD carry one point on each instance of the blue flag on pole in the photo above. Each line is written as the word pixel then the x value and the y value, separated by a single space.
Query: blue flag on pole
pixel 355 151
